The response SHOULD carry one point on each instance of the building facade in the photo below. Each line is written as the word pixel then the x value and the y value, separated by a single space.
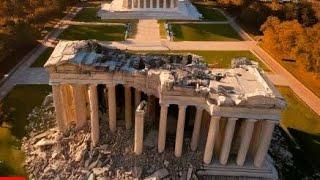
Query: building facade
pixel 235 110
pixel 149 9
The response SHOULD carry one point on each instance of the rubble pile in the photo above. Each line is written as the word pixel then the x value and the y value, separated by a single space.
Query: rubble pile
pixel 186 69
pixel 51 155
pixel 41 118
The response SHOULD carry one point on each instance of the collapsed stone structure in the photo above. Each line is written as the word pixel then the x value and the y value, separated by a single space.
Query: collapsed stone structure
pixel 234 110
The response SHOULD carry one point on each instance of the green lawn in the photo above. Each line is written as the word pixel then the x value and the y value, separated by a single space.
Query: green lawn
pixel 88 14
pixel 209 13
pixel 20 102
pixel 298 115
pixel 204 32
pixel 98 32
pixel 42 59
pixel 222 59
pixel 302 123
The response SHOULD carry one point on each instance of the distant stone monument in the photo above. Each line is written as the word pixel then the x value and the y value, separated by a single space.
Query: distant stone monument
pixel 149 9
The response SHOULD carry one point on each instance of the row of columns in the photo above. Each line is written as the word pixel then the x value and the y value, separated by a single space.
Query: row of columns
pixel 150 4
pixel 247 126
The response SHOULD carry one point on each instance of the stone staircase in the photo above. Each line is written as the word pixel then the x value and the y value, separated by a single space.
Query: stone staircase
pixel 170 15
pixel 148 31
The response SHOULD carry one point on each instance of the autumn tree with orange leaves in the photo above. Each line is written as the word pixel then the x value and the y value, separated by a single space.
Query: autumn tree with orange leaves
pixel 290 40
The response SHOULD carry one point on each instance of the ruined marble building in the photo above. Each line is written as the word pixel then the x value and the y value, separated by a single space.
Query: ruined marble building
pixel 234 111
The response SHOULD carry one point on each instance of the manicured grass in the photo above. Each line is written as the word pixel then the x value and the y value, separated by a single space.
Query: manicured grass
pixel 208 13
pixel 98 32
pixel 88 14
pixel 222 59
pixel 298 115
pixel 204 32
pixel 42 59
pixel 219 59
pixel 19 102
pixel 309 79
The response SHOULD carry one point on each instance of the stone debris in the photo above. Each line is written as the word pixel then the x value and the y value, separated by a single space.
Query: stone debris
pixel 159 174
pixel 242 62
pixel 49 155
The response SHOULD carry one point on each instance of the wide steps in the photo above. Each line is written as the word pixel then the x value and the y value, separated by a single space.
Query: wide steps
pixel 143 15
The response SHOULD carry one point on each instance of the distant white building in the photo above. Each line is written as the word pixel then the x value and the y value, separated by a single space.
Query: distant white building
pixel 149 9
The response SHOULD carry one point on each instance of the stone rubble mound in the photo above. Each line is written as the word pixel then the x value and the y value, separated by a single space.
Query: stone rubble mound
pixel 49 155
pixel 52 156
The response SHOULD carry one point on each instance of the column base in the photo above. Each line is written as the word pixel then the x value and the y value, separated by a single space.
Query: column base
pixel 248 170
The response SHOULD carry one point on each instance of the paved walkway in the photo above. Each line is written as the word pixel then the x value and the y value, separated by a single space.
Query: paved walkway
pixel 147 31
pixel 22 74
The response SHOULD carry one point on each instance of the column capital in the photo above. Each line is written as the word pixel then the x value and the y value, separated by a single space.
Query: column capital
pixel 182 106
pixel 110 85
pixel 270 121
pixel 215 117
pixel 232 118
pixel 251 120
pixel 92 85
pixel 164 104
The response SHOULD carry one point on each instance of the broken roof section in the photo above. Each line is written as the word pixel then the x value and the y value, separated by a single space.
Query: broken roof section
pixel 243 85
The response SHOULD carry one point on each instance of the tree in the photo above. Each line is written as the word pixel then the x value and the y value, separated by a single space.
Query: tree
pixel 255 14
pixel 306 14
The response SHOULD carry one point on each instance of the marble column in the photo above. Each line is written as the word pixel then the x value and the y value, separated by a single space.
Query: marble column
pixel 138 131
pixel 196 129
pixel 112 107
pixel 144 4
pixel 172 3
pixel 212 134
pixel 265 140
pixel 180 130
pixel 164 4
pixel 79 100
pixel 162 127
pixel 246 135
pixel 58 104
pixel 130 2
pixel 158 4
pixel 139 4
pixel 125 4
pixel 93 98
pixel 227 140
pixel 137 97
pixel 151 3
pixel 128 107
